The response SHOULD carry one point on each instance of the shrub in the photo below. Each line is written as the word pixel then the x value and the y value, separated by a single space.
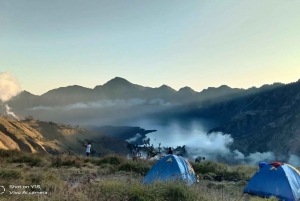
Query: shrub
pixel 10 153
pixel 10 174
pixel 178 191
pixel 47 180
pixel 137 167
pixel 214 168
pixel 71 161
pixel 30 159
pixel 117 190
pixel 110 159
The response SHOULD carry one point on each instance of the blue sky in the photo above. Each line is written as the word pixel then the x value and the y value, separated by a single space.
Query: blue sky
pixel 49 44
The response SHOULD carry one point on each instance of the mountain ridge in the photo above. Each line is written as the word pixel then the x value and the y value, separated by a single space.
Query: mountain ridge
pixel 33 136
pixel 120 88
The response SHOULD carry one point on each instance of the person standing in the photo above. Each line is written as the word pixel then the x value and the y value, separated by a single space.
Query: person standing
pixel 135 153
pixel 199 159
pixel 88 149
pixel 170 151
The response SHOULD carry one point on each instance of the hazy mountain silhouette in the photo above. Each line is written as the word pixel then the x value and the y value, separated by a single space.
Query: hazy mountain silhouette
pixel 119 99
pixel 117 88
pixel 267 120
pixel 259 119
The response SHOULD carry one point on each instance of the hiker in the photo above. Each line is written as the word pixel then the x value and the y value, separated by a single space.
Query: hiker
pixel 199 159
pixel 135 153
pixel 170 151
pixel 88 149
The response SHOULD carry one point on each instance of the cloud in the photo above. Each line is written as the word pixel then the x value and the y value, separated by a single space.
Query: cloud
pixel 159 101
pixel 214 146
pixel 42 108
pixel 9 86
pixel 209 145
pixel 255 158
pixel 294 160
pixel 135 138
pixel 92 105
pixel 103 104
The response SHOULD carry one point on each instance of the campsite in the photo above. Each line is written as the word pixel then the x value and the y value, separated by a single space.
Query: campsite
pixel 113 177
pixel 161 100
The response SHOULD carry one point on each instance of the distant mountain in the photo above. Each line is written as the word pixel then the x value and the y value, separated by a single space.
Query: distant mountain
pixel 117 88
pixel 48 137
pixel 66 95
pixel 259 119
pixel 268 120
pixel 119 100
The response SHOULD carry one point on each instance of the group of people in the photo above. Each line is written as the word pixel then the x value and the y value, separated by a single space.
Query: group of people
pixel 136 154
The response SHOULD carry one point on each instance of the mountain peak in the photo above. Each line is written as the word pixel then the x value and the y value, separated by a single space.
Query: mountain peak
pixel 118 81
pixel 224 87
pixel 166 87
pixel 186 90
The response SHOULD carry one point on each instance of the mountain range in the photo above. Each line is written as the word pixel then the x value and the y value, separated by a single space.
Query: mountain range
pixel 258 119
pixel 259 122
pixel 117 88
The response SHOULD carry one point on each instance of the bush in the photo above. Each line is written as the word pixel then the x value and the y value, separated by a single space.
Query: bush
pixel 11 174
pixel 71 161
pixel 30 159
pixel 10 153
pixel 136 167
pixel 209 166
pixel 115 190
pixel 47 180
pixel 110 159
pixel 178 192
pixel 214 168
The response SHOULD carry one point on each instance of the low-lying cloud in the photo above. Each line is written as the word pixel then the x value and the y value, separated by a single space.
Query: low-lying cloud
pixel 104 104
pixel 294 160
pixel 214 146
pixel 134 139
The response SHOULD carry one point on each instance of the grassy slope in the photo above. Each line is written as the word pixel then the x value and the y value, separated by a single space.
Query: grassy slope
pixel 113 178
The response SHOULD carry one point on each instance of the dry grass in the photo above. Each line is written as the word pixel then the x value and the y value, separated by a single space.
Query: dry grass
pixel 112 178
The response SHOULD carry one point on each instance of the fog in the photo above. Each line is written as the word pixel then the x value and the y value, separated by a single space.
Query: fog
pixel 193 134
pixel 104 104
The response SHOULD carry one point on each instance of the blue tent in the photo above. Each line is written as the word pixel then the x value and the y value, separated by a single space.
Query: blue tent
pixel 171 168
pixel 275 179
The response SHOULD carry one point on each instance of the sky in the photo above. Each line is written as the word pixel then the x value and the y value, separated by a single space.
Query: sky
pixel 203 43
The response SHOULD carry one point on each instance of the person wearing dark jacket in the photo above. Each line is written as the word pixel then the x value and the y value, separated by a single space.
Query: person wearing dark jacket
pixel 170 151
pixel 135 153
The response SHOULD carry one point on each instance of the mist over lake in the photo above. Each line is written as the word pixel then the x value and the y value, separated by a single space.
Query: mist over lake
pixel 173 132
